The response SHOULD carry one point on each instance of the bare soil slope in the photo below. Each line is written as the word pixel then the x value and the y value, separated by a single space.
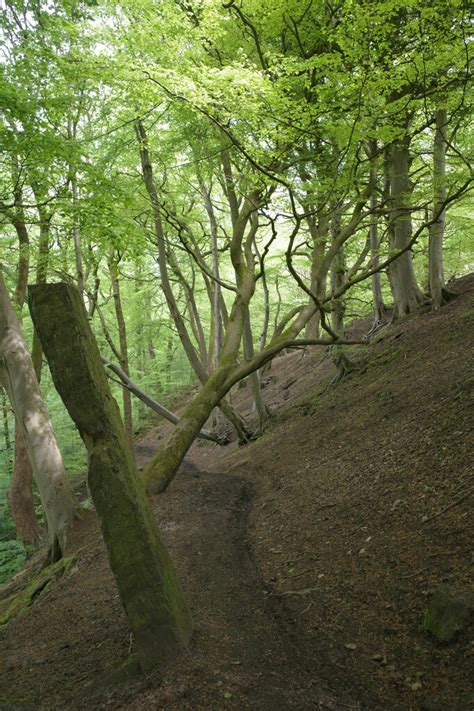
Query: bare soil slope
pixel 308 556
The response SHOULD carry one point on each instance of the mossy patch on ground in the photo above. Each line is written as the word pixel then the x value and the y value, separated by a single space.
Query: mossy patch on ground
pixel 17 604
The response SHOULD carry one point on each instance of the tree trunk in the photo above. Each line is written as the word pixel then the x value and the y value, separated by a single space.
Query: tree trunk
pixel 122 334
pixel 259 404
pixel 76 229
pixel 406 294
pixel 7 450
pixel 319 235
pixel 19 379
pixel 338 270
pixel 215 345
pixel 163 467
pixel 436 231
pixel 376 279
pixel 145 578
pixel 23 261
pixel 20 495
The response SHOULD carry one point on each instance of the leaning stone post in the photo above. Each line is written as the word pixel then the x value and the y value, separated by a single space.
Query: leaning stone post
pixel 145 578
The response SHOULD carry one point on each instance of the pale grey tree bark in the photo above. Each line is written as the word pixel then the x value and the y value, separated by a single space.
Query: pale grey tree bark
pixel 18 377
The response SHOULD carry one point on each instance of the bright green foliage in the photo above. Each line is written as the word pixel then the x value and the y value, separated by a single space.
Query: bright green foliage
pixel 291 93
pixel 12 557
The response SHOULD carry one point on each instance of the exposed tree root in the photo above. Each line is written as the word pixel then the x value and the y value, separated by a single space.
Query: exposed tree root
pixel 344 366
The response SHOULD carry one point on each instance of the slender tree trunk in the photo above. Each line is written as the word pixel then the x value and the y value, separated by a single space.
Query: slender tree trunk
pixel 406 293
pixel 163 467
pixel 266 312
pixel 377 298
pixel 168 361
pixel 76 232
pixel 337 274
pixel 436 231
pixel 23 261
pixel 338 270
pixel 194 318
pixel 19 379
pixel 123 344
pixel 76 229
pixel 153 404
pixel 215 346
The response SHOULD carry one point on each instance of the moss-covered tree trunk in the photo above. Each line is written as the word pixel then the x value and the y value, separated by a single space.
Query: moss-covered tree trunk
pixel 145 578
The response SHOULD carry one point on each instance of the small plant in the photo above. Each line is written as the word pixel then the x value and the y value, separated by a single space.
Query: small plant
pixel 12 557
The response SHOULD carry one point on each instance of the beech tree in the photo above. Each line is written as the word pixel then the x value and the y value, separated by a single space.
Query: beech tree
pixel 18 377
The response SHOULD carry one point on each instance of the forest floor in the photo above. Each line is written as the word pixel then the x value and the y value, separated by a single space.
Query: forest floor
pixel 308 556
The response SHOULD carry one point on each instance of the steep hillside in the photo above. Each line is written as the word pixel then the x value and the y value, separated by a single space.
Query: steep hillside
pixel 308 556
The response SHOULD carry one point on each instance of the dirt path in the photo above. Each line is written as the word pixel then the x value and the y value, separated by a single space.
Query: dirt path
pixel 244 653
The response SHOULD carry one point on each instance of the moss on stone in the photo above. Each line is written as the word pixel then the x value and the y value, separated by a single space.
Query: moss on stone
pixel 449 614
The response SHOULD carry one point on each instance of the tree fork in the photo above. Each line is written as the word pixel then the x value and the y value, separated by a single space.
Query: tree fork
pixel 146 581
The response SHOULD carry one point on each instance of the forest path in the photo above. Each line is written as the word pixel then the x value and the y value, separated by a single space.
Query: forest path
pixel 245 653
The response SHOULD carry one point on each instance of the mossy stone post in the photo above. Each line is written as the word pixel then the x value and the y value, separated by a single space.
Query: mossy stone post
pixel 146 581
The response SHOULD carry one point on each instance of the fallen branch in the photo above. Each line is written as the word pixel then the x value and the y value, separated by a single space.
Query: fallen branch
pixel 298 593
pixel 125 382
pixel 450 506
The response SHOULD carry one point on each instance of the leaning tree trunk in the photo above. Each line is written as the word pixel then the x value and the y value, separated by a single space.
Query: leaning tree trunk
pixel 145 578
pixel 406 293
pixel 19 380
pixel 163 467
pixel 436 231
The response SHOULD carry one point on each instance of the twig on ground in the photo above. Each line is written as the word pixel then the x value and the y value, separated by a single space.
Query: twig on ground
pixel 297 593
pixel 454 503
